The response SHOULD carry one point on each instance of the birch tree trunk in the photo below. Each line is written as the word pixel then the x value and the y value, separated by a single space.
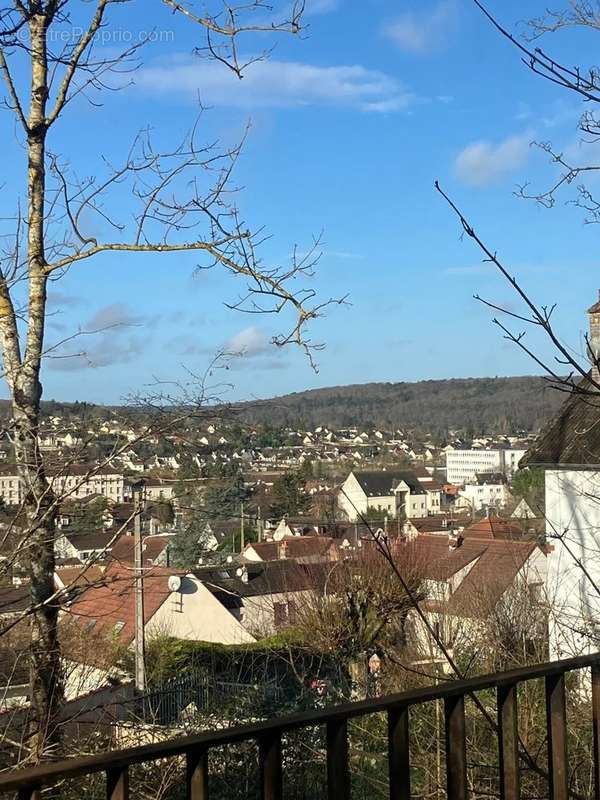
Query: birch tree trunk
pixel 202 219
pixel 45 669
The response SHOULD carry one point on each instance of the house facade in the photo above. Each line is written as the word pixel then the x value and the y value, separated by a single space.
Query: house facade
pixel 397 493
pixel 488 490
pixel 568 449
pixel 467 580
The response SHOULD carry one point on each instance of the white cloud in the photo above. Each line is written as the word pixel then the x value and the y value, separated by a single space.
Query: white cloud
pixel 283 84
pixel 106 350
pixel 252 341
pixel 483 163
pixel 58 298
pixel 114 314
pixel 103 341
pixel 421 32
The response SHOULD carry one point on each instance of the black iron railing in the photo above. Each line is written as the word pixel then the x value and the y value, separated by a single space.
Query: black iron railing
pixel 268 737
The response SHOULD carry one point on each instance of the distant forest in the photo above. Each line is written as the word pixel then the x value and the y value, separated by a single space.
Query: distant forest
pixel 473 405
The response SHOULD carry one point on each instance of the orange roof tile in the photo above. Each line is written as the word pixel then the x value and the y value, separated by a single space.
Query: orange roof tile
pixel 111 608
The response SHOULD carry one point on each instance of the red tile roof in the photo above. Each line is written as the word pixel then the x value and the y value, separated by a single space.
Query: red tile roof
pixel 493 528
pixel 79 576
pixel 152 548
pixel 493 573
pixel 297 547
pixel 439 523
pixel 112 606
pixel 494 565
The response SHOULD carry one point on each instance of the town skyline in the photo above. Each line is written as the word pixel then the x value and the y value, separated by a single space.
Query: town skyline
pixel 401 77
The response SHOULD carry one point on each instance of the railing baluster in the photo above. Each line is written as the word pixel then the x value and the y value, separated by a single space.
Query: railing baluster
pixel 456 748
pixel 29 793
pixel 596 723
pixel 508 743
pixel 117 784
pixel 269 754
pixel 196 764
pixel 556 725
pixel 338 777
pixel 399 753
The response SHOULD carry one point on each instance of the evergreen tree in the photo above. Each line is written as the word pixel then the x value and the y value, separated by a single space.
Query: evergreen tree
pixel 289 496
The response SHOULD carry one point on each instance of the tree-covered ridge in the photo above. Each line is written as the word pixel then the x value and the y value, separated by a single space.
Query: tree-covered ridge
pixel 474 404
pixel 470 404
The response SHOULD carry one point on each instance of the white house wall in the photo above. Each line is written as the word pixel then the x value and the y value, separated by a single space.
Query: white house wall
pixel 202 618
pixel 351 498
pixel 258 615
pixel 573 587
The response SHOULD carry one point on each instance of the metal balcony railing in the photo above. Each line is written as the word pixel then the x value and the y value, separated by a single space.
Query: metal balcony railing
pixel 28 783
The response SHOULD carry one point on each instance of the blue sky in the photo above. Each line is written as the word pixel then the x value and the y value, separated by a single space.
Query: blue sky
pixel 351 125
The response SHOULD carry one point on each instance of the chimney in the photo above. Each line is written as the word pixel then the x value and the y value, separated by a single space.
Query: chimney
pixel 281 549
pixel 454 541
pixel 594 339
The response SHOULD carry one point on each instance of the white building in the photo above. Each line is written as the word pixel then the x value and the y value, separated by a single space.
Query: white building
pixel 489 490
pixel 463 465
pixel 74 483
pixel 395 492
pixel 569 451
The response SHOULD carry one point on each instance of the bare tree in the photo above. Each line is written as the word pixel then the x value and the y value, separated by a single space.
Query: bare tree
pixel 567 369
pixel 181 202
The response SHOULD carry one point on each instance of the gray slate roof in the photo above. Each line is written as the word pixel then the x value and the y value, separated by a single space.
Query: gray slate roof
pixel 382 483
pixel 572 437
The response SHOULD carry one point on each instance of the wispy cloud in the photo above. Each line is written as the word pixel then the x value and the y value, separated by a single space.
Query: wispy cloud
pixel 58 298
pixel 279 84
pixel 104 340
pixel 106 350
pixel 483 163
pixel 251 341
pixel 424 30
pixel 112 315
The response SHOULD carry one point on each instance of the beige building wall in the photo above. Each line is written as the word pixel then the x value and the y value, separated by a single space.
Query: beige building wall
pixel 195 614
pixel 258 615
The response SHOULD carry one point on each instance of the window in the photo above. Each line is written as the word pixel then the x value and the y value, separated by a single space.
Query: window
pixel 292 612
pixel 280 614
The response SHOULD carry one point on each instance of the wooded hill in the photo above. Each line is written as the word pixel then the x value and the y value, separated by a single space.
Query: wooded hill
pixel 475 405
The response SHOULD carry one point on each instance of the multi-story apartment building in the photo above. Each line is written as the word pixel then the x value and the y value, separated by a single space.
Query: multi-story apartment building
pixel 10 486
pixel 462 465
pixel 75 482
pixel 81 480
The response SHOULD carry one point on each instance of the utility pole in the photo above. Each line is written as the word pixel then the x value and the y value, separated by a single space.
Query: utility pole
pixel 242 527
pixel 140 647
pixel 259 530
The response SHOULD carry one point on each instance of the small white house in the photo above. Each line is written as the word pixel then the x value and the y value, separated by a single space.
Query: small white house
pixel 487 491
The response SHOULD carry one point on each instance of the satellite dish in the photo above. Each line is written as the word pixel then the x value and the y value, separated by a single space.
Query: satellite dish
pixel 174 583
pixel 229 559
